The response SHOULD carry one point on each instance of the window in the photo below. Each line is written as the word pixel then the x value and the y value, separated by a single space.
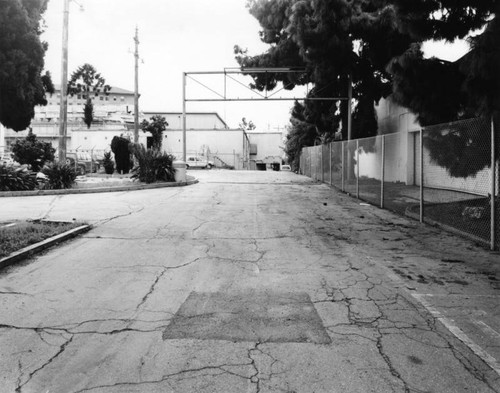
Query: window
pixel 122 98
pixel 101 98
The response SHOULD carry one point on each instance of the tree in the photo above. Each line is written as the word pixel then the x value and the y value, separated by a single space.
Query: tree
pixel 376 44
pixel 336 41
pixel 120 147
pixel 440 92
pixel 87 82
pixel 108 164
pixel 22 85
pixel 156 127
pixel 244 125
pixel 33 152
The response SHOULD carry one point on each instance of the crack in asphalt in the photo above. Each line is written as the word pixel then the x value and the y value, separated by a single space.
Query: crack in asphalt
pixel 383 325
pixel 62 348
pixel 222 368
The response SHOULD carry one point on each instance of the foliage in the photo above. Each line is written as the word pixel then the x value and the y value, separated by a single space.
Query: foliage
pixel 457 147
pixel 120 148
pixel 377 44
pixel 88 82
pixel 156 127
pixel 33 152
pixel 17 178
pixel 88 113
pixel 153 165
pixel 22 85
pixel 301 133
pixel 59 176
pixel 244 125
pixel 109 165
pixel 441 92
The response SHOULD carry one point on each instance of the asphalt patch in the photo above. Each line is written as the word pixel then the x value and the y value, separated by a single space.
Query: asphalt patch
pixel 253 316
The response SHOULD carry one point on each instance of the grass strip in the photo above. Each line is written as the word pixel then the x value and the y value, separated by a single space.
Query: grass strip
pixel 25 233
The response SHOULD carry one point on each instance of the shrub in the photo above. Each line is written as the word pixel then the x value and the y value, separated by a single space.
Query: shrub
pixel 33 152
pixel 153 165
pixel 17 178
pixel 108 164
pixel 59 176
pixel 156 127
pixel 120 148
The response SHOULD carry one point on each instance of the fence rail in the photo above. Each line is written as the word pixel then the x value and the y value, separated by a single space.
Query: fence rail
pixel 445 174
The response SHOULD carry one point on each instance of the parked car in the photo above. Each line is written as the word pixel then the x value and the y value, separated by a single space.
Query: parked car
pixel 286 168
pixel 198 162
pixel 82 162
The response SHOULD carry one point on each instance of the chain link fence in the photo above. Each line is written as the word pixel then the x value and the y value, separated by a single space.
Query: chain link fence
pixel 444 175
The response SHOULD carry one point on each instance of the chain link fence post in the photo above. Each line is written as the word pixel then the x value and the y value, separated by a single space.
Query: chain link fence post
pixel 330 162
pixel 493 184
pixel 382 173
pixel 310 163
pixel 357 168
pixel 343 166
pixel 322 164
pixel 421 142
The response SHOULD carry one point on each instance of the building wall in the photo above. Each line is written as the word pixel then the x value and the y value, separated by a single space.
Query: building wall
pixel 398 125
pixel 78 136
pixel 269 146
pixel 230 146
pixel 117 100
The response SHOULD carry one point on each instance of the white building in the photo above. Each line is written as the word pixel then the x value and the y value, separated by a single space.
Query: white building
pixel 266 147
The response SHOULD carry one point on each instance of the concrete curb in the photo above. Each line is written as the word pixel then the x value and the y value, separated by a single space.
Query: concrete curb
pixel 134 187
pixel 27 251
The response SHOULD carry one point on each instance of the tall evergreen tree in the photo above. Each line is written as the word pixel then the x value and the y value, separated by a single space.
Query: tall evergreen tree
pixel 22 85
pixel 378 44
pixel 87 82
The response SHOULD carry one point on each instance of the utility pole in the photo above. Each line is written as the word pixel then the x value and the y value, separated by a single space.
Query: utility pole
pixel 63 111
pixel 136 91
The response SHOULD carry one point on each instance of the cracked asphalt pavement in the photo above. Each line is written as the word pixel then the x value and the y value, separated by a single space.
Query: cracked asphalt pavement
pixel 246 282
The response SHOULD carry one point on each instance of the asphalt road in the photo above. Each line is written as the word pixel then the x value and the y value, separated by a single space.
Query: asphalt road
pixel 246 282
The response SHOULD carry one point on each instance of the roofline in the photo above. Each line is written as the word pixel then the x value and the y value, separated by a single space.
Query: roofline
pixel 57 87
pixel 187 113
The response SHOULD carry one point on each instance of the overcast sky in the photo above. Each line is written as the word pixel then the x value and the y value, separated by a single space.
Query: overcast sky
pixel 175 36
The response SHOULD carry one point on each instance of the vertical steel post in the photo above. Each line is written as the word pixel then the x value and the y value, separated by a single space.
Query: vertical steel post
pixel 349 108
pixel 421 175
pixel 357 168
pixel 322 164
pixel 184 116
pixel 382 174
pixel 493 187
pixel 330 155
pixel 63 110
pixel 310 162
pixel 343 166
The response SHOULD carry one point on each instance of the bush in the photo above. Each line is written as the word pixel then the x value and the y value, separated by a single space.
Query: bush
pixel 59 176
pixel 156 127
pixel 108 164
pixel 153 165
pixel 33 152
pixel 17 178
pixel 120 148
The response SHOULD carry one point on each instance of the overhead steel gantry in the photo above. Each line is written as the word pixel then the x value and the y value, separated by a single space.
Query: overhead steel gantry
pixel 261 96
